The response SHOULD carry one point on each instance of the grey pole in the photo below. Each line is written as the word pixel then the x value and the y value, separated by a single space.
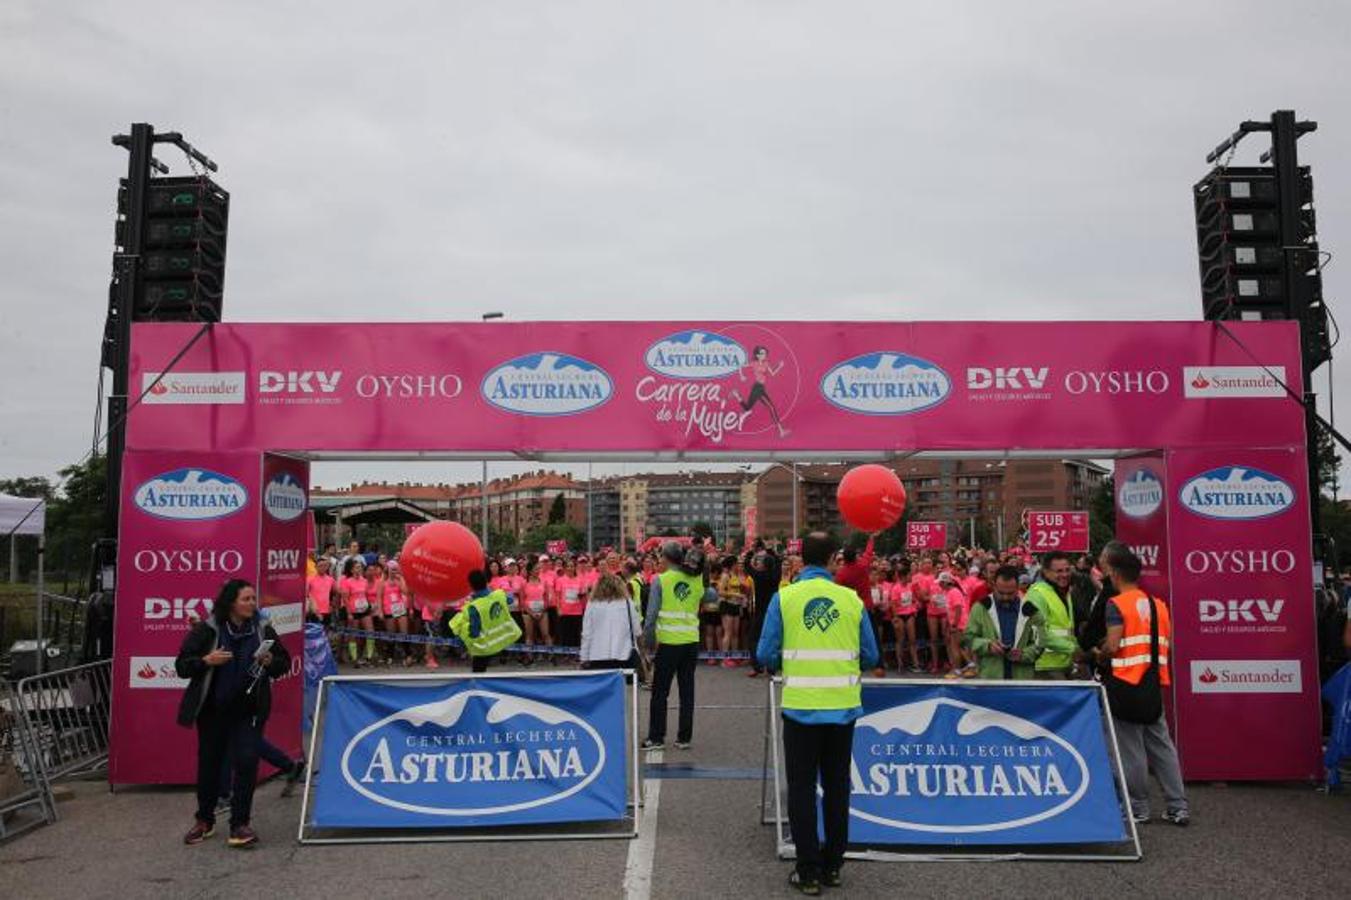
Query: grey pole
pixel 590 532
pixel 483 507
pixel 795 512
pixel 42 548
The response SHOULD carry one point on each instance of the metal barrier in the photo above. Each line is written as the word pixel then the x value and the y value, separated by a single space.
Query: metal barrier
pixel 25 796
pixel 67 717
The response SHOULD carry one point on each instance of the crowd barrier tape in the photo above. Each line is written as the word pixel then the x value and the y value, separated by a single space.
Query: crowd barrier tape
pixel 977 770
pixel 460 757
pixel 533 649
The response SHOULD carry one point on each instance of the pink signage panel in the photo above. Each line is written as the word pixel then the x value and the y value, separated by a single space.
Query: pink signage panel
pixel 282 513
pixel 1139 483
pixel 1048 531
pixel 189 523
pixel 926 535
pixel 1244 655
pixel 713 387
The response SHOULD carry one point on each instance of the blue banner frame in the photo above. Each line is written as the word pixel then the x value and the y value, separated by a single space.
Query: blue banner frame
pixel 471 752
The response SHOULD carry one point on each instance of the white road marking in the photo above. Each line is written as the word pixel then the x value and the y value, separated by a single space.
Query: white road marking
pixel 643 849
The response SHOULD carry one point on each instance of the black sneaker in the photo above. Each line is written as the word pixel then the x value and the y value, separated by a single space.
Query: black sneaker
pixel 1181 818
pixel 650 744
pixel 294 777
pixel 810 887
pixel 199 832
pixel 242 837
pixel 831 878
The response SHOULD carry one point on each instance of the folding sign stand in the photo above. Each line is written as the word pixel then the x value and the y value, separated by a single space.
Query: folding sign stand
pixel 310 833
pixel 1130 852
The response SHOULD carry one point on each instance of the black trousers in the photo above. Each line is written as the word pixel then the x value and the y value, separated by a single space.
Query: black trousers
pixel 569 631
pixel 676 661
pixel 812 753
pixel 479 663
pixel 227 736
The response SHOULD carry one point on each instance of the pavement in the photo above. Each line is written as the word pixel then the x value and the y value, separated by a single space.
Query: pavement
pixel 703 840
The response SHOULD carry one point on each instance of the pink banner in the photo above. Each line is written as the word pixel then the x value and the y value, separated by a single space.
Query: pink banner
pixel 926 535
pixel 281 588
pixel 1142 516
pixel 189 523
pixel 556 548
pixel 722 387
pixel 1067 531
pixel 749 520
pixel 1244 657
pixel 793 546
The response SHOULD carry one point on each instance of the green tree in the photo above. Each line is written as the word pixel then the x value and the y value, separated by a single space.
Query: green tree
pixel 536 539
pixel 1102 515
pixel 1326 461
pixel 559 511
pixel 35 487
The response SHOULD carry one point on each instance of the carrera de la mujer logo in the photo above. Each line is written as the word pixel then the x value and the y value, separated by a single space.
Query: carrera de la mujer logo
pixel 915 768
pixel 473 753
pixel 819 614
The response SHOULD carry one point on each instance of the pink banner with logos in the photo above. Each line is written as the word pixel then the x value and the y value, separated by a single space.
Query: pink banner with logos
pixel 189 524
pixel 1142 516
pixel 282 514
pixel 1244 658
pixel 719 387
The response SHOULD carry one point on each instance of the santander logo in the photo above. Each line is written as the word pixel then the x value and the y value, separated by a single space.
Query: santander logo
pixel 1200 382
pixel 1208 677
pixel 146 671
pixel 159 389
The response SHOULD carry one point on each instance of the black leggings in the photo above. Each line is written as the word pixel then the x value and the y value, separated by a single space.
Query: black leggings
pixel 758 395
pixel 226 734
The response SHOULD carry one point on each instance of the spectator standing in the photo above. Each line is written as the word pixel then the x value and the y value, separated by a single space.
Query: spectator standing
pixel 229 660
pixel 765 570
pixel 1001 631
pixel 1058 650
pixel 1138 633
pixel 818 633
pixel 854 572
pixel 609 627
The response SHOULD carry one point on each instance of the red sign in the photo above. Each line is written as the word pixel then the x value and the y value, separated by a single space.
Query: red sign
pixel 556 548
pixel 749 516
pixel 1048 531
pixel 410 527
pixel 926 535
pixel 794 546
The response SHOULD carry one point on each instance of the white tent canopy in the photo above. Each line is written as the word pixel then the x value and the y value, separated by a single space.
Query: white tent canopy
pixel 18 516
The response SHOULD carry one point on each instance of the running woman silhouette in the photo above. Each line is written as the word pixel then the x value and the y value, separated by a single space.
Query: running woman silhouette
pixel 761 368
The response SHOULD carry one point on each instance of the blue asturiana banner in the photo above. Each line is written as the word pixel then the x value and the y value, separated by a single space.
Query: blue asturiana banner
pixel 973 765
pixel 472 752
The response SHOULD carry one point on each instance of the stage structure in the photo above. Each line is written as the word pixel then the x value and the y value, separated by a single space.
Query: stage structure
pixel 1212 487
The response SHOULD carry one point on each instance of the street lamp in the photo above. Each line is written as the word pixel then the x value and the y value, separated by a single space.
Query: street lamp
pixel 483 500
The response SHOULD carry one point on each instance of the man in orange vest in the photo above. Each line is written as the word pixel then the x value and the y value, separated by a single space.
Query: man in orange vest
pixel 1137 642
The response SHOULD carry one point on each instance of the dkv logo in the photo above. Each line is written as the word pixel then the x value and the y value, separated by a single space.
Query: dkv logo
pixel 475 753
pixel 695 355
pixel 191 495
pixel 1140 495
pixel 547 384
pixel 913 755
pixel 1236 493
pixel 886 384
pixel 284 498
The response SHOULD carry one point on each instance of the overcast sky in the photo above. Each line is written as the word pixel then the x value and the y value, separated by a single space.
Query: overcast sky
pixel 432 161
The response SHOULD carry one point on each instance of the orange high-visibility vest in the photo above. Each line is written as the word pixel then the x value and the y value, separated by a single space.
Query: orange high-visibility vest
pixel 1132 658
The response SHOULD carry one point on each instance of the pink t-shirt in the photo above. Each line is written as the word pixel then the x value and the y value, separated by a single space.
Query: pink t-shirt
pixel 958 611
pixel 881 596
pixel 548 577
pixel 319 589
pixel 499 583
pixel 358 595
pixel 395 604
pixel 903 601
pixel 535 596
pixel 569 592
pixel 589 578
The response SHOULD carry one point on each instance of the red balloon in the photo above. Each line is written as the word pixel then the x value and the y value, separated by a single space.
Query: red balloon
pixel 871 497
pixel 437 558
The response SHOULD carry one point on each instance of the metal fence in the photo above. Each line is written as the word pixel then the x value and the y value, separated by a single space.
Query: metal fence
pixel 67 717
pixel 25 796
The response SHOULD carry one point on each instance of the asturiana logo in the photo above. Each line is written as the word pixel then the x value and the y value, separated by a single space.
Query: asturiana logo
pixel 907 756
pixel 1237 493
pixel 284 498
pixel 1140 495
pixel 474 753
pixel 547 384
pixel 886 384
pixel 695 355
pixel 191 495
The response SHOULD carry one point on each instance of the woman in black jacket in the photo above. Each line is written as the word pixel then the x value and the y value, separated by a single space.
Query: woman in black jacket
pixel 228 698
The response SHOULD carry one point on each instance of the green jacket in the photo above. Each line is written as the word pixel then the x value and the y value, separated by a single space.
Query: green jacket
pixel 1056 644
pixel 982 630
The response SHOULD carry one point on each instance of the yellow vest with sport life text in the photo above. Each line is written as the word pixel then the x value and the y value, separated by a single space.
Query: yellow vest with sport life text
pixel 678 617
pixel 497 629
pixel 821 621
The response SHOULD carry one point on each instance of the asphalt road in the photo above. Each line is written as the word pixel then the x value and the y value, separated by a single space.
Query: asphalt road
pixel 1245 840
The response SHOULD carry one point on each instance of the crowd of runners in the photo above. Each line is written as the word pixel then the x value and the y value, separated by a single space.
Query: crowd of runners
pixel 920 603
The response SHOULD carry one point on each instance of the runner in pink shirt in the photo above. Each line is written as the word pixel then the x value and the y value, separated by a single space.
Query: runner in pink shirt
pixel 535 608
pixel 571 593
pixel 761 370
pixel 394 602
pixel 355 593
pixel 905 604
pixel 319 593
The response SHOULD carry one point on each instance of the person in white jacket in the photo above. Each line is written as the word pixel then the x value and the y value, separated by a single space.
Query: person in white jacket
pixel 610 627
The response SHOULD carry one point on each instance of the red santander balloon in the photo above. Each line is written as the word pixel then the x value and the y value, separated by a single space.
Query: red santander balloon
pixel 437 558
pixel 871 497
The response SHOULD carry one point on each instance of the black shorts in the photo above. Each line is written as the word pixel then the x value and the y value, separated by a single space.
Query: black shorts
pixel 729 609
pixel 710 618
